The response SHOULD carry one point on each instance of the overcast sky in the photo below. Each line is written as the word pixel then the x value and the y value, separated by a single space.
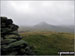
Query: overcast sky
pixel 34 12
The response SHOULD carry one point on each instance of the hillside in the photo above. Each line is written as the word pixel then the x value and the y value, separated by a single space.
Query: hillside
pixel 49 43
pixel 45 27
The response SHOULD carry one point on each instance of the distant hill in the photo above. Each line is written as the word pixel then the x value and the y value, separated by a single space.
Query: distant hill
pixel 43 26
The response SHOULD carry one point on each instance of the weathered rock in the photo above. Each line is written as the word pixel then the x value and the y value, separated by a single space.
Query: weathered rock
pixel 13 45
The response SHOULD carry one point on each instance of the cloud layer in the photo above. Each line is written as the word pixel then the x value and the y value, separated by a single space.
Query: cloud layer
pixel 34 12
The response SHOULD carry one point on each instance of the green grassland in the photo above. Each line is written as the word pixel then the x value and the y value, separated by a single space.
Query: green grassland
pixel 49 43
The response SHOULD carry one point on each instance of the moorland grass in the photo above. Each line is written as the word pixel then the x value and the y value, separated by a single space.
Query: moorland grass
pixel 49 43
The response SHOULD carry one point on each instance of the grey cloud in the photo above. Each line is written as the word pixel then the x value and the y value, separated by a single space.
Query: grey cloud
pixel 52 12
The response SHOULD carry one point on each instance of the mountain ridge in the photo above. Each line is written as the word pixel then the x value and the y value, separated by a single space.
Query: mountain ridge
pixel 43 26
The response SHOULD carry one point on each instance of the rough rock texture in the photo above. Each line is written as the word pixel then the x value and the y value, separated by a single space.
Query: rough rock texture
pixel 13 44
